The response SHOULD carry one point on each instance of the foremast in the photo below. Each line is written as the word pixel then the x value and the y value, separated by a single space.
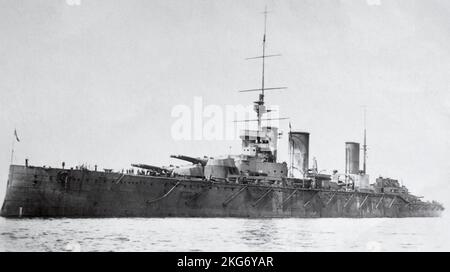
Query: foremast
pixel 263 141
pixel 259 105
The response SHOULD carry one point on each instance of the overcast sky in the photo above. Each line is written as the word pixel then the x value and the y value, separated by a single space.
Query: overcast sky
pixel 96 83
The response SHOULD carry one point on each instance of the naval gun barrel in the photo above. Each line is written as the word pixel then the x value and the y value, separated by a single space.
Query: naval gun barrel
pixel 190 159
pixel 151 168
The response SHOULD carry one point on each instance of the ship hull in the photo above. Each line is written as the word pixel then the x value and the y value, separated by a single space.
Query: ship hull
pixel 46 192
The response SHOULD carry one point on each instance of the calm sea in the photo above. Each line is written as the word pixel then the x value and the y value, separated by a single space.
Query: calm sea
pixel 220 234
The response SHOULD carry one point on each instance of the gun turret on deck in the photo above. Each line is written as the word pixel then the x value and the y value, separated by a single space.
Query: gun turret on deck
pixel 190 159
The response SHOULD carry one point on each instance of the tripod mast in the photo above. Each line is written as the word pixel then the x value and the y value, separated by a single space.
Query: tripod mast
pixel 259 106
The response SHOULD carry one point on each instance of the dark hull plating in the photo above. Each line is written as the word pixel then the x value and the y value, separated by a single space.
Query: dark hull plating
pixel 44 192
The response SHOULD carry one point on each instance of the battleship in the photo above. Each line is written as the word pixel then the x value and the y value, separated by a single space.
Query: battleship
pixel 253 184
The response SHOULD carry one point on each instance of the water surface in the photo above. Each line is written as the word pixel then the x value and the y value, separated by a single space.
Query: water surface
pixel 225 234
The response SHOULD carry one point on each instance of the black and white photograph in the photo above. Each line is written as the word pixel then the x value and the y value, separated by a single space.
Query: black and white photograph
pixel 224 126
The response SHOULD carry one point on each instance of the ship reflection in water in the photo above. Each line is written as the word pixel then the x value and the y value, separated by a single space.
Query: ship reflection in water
pixel 218 234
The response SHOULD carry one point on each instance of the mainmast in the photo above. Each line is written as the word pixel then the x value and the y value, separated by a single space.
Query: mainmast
pixel 365 143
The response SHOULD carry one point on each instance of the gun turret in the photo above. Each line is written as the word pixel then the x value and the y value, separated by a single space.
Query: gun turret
pixel 190 159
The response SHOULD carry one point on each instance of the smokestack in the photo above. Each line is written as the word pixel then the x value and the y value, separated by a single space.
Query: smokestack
pixel 352 158
pixel 299 151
